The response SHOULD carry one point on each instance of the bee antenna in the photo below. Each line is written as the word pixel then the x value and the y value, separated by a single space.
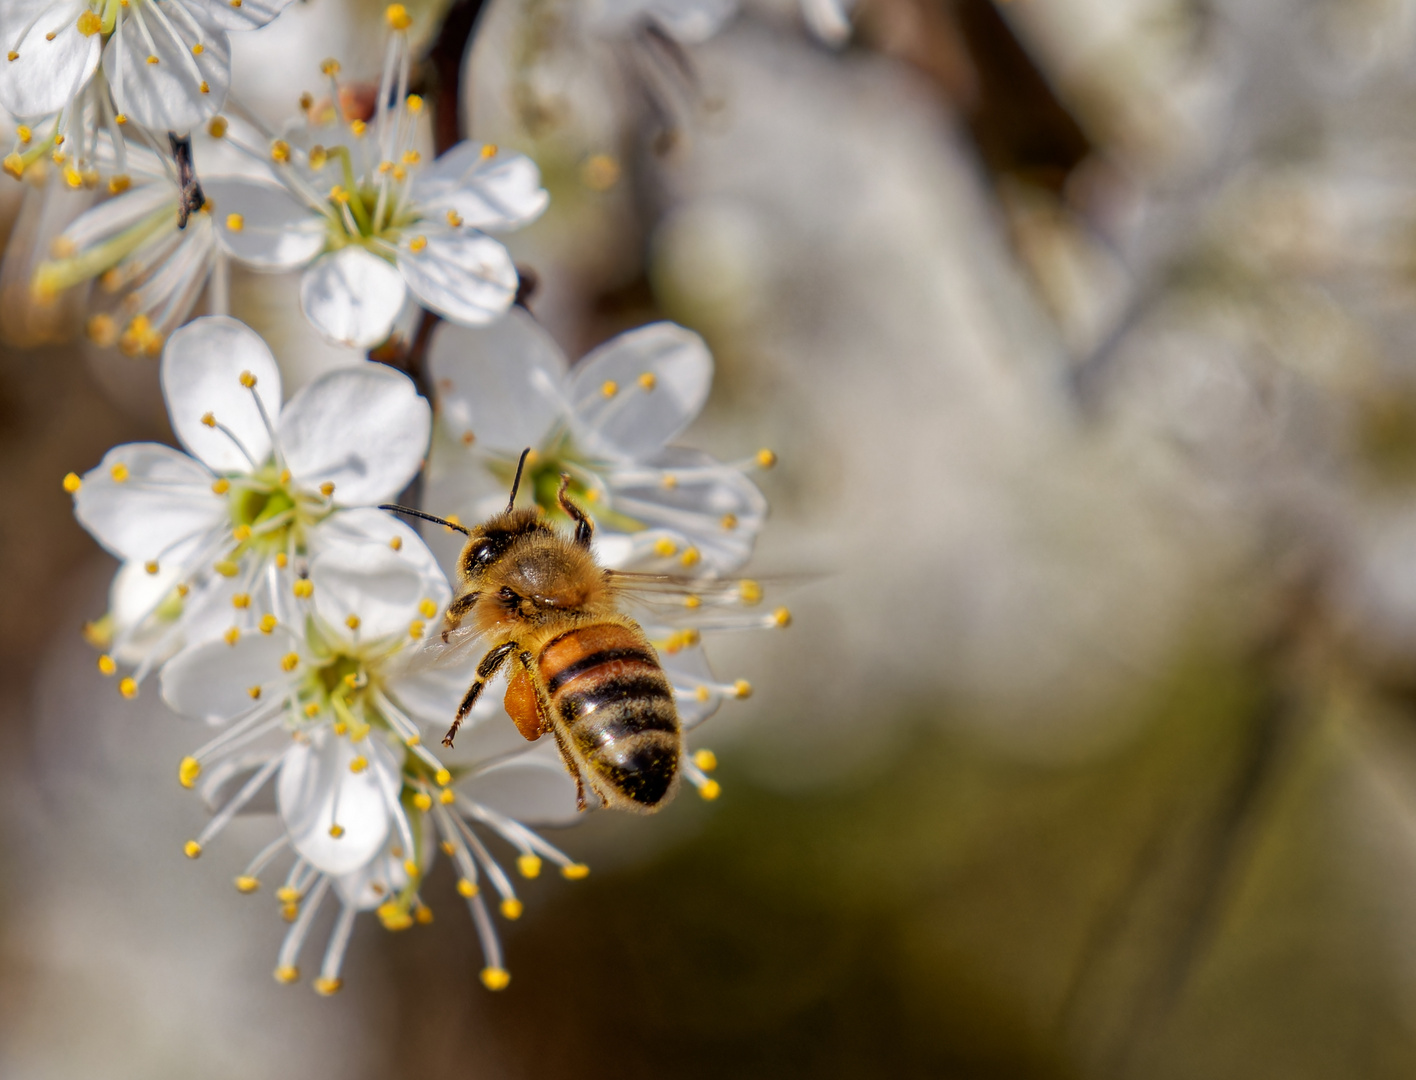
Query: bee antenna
pixel 516 483
pixel 426 517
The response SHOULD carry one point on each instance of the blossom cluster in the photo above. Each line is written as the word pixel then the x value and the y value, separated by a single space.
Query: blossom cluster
pixel 264 585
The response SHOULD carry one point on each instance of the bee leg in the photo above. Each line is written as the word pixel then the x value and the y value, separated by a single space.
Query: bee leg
pixel 456 612
pixel 584 529
pixel 490 665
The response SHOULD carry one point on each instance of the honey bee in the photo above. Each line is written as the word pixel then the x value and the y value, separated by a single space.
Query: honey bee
pixel 580 669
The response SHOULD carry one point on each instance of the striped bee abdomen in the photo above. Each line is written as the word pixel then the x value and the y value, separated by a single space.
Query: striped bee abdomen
pixel 606 687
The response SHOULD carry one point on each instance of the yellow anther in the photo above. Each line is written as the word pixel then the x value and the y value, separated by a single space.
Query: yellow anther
pixel 447 796
pixel 327 488
pixel 284 476
pixel 511 908
pixel 340 727
pixel 411 868
pixel 336 831
pixel 247 884
pixel 255 692
pixel 312 710
pixel 12 55
pixel 427 608
pixel 393 916
pixel 198 49
pixel 304 588
pixel 782 617
pixel 468 438
pixel 306 101
pixel 204 88
pixel 454 219
pixel 235 222
pixel 413 740
pixel 705 760
pixel 692 601
pixel 317 157
pixel 89 24
pixel 423 914
pixel 268 623
pixel 241 601
pixel 575 871
pixel 329 67
pixel 423 801
pixel 669 481
pixel 15 165
pixel 359 764
pixel 128 687
pixel 101 328
pixel 287 974
pixel 119 183
pixel 600 172
pixel 182 589
pixel 416 628
pixel 529 865
pixel 351 680
pixel 742 688
pixel 749 591
pixel 226 568
pixel 729 522
pixel 152 60
pixel 217 126
pixel 352 622
pixel 417 244
pixel 282 560
pixel 280 151
pixel 191 849
pixel 24 134
pixel 414 103
pixel 290 661
pixel 221 486
pixel 466 888
pixel 396 542
pixel 287 895
pixel 398 17
pixel 209 419
pixel 609 388
pixel 443 777
pixel 447 848
pixel 72 482
pixel 489 150
pixel 384 167
pixel 107 665
pixel 665 548
pixel 766 459
pixel 241 533
pixel 119 472
pixel 248 380
pixel 188 771
pixel 495 978
pixel 73 178
pixel 289 912
pixel 232 635
pixel 710 790
pixel 338 194
pixel 702 694
pixel 411 157
pixel 647 380
pixel 690 557
pixel 358 127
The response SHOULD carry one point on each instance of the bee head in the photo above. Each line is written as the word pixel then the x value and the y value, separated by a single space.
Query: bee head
pixel 489 542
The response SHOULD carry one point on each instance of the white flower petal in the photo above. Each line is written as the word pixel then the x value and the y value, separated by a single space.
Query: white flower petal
pixel 376 881
pixel 166 95
pixel 375 584
pixel 431 696
pixel 493 193
pixel 273 230
pixel 224 779
pixel 687 669
pixel 463 275
pixel 163 498
pixel 692 22
pixel 201 373
pixel 829 20
pixel 212 680
pixel 47 74
pixel 317 790
pixel 352 297
pixel 248 15
pixel 534 789
pixel 113 216
pixel 132 598
pixel 710 507
pixel 365 429
pixel 636 392
pixel 499 384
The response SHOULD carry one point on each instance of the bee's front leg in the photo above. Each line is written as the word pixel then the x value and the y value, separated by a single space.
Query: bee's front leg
pixel 456 612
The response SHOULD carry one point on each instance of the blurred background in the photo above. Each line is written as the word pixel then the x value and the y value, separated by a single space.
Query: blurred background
pixel 1084 331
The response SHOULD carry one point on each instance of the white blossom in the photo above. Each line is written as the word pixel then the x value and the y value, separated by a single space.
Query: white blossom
pixel 692 22
pixel 370 224
pixel 609 423
pixel 225 530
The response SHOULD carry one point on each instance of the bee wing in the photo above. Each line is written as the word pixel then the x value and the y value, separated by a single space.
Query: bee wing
pixel 459 650
pixel 694 602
